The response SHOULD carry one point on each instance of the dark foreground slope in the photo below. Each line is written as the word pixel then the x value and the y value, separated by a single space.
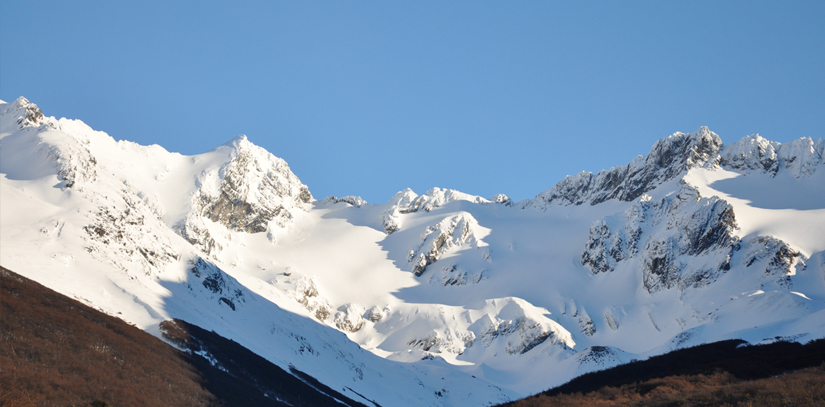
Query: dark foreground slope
pixel 719 374
pixel 55 351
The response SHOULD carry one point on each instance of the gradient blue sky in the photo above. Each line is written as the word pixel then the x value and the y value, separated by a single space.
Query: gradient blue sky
pixel 368 98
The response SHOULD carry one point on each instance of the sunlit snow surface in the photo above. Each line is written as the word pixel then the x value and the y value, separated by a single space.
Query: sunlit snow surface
pixel 503 308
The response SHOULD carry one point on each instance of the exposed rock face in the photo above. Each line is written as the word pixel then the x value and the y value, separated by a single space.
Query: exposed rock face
pixel 454 274
pixel 800 157
pixel 751 153
pixel 220 286
pixel 256 188
pixel 449 341
pixel 707 232
pixel 349 318
pixel 253 192
pixel 502 199
pixel 73 166
pixel 408 201
pixel 376 314
pixel 585 323
pixel 46 138
pixel 355 201
pixel 306 293
pixel 521 330
pixel 391 218
pixel 682 241
pixel 451 232
pixel 668 158
pixel 612 319
pixel 678 153
pixel 509 325
pixel 667 237
pixel 27 113
pixel 437 197
pixel 124 230
pixel 776 256
pixel 196 232
pixel 530 335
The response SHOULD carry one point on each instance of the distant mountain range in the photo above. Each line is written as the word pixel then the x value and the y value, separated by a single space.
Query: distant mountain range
pixel 443 298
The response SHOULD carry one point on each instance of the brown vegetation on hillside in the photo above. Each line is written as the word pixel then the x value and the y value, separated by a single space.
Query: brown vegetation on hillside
pixel 726 373
pixel 55 351
pixel 801 388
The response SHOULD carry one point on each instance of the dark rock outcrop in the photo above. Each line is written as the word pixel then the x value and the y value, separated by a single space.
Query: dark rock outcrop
pixel 221 287
pixel 663 236
pixel 255 188
pixel 668 158
pixel 451 232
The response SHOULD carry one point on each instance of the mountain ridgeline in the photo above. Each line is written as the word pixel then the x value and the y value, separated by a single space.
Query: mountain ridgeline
pixel 443 298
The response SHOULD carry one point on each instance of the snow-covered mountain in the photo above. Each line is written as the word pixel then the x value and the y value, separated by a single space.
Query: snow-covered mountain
pixel 437 299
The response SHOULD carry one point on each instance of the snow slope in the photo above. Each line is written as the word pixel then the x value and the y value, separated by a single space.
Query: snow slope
pixel 437 299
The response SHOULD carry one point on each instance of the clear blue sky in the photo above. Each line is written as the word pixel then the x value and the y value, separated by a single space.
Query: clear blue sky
pixel 367 97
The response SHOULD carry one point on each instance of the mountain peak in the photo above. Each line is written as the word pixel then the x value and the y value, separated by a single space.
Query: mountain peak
pixel 251 190
pixel 21 102
pixel 24 112
pixel 239 142
pixel 669 157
